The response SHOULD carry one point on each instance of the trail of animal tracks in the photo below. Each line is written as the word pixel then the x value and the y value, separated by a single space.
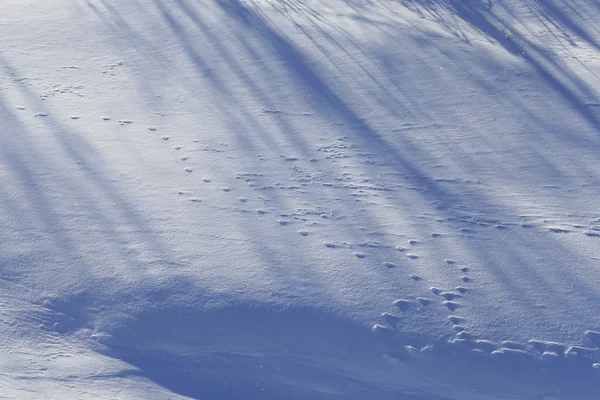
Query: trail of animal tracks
pixel 300 199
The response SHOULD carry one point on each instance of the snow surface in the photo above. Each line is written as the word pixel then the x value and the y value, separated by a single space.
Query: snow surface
pixel 318 199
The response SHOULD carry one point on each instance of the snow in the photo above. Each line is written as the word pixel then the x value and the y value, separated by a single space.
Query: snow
pixel 235 199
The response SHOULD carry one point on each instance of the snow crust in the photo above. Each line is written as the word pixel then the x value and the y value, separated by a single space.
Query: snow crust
pixel 300 199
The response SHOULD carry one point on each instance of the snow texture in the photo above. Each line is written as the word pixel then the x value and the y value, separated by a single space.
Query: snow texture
pixel 328 199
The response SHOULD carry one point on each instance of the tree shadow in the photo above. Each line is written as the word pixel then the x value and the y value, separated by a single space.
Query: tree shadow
pixel 174 347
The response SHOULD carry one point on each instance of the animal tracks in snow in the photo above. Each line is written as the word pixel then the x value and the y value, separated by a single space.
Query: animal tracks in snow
pixel 466 343
pixel 334 206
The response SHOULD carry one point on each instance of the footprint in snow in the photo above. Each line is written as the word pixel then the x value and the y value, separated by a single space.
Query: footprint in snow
pixel 452 305
pixel 509 344
pixel 402 304
pixel 557 229
pixel 450 295
pixel 593 336
pixel 390 318
pixel 381 328
pixel 465 335
pixel 456 320
pixel 424 301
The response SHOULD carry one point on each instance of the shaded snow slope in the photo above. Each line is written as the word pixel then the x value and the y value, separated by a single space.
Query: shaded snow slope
pixel 279 199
